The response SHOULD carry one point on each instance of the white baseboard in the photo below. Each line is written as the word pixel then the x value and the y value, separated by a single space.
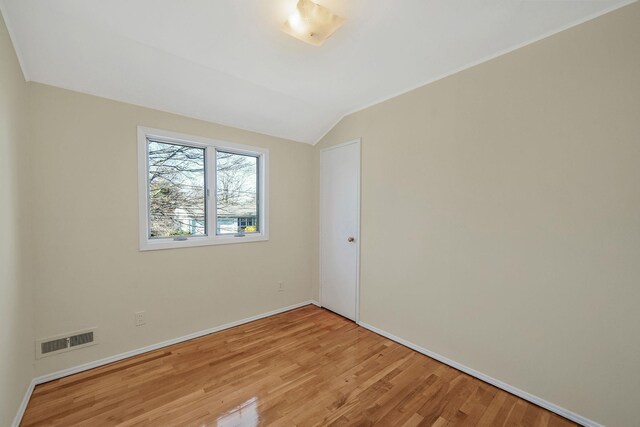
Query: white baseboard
pixel 504 386
pixel 316 303
pixel 23 405
pixel 91 365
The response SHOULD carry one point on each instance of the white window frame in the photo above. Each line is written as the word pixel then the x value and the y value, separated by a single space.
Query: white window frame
pixel 211 146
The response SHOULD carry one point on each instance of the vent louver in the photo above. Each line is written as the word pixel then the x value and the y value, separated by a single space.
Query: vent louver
pixel 81 339
pixel 65 342
pixel 55 345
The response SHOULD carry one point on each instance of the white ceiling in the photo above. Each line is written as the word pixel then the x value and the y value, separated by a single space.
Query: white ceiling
pixel 227 61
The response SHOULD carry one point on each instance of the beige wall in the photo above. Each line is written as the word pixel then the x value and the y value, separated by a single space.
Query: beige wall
pixel 16 332
pixel 89 271
pixel 518 185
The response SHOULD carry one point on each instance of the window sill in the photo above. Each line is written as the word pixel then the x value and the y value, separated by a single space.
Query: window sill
pixel 152 245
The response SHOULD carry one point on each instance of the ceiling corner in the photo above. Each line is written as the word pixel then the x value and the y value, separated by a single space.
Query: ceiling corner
pixel 12 36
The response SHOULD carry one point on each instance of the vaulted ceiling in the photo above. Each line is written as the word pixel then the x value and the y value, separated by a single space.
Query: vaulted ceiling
pixel 227 61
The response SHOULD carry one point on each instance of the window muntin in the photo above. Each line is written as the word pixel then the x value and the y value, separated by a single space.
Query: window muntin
pixel 178 187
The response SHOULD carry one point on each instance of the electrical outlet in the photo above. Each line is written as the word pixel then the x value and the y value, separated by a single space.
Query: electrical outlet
pixel 140 318
pixel 280 286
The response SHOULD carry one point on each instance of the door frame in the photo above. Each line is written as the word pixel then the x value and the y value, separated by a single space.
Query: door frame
pixel 357 141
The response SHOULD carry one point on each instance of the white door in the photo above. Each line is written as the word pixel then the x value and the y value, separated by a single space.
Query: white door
pixel 340 228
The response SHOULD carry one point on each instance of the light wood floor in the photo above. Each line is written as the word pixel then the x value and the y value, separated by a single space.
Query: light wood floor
pixel 304 367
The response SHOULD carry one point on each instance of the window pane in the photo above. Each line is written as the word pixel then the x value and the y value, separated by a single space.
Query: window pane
pixel 237 194
pixel 176 190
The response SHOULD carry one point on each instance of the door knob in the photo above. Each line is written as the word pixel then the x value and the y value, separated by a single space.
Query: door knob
pixel 351 239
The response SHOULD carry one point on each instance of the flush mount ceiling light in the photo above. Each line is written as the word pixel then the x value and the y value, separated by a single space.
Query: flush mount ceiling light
pixel 312 23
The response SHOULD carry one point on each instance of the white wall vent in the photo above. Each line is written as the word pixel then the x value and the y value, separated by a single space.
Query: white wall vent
pixel 66 342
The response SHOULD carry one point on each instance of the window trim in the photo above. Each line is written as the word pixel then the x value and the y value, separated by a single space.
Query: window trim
pixel 211 146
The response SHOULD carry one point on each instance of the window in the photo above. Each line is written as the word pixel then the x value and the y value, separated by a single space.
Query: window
pixel 237 195
pixel 195 191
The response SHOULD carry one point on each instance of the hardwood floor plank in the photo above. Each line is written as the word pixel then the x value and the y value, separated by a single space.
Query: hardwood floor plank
pixel 306 367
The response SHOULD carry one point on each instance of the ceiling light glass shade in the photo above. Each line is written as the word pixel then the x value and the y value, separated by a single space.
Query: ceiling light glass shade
pixel 312 23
